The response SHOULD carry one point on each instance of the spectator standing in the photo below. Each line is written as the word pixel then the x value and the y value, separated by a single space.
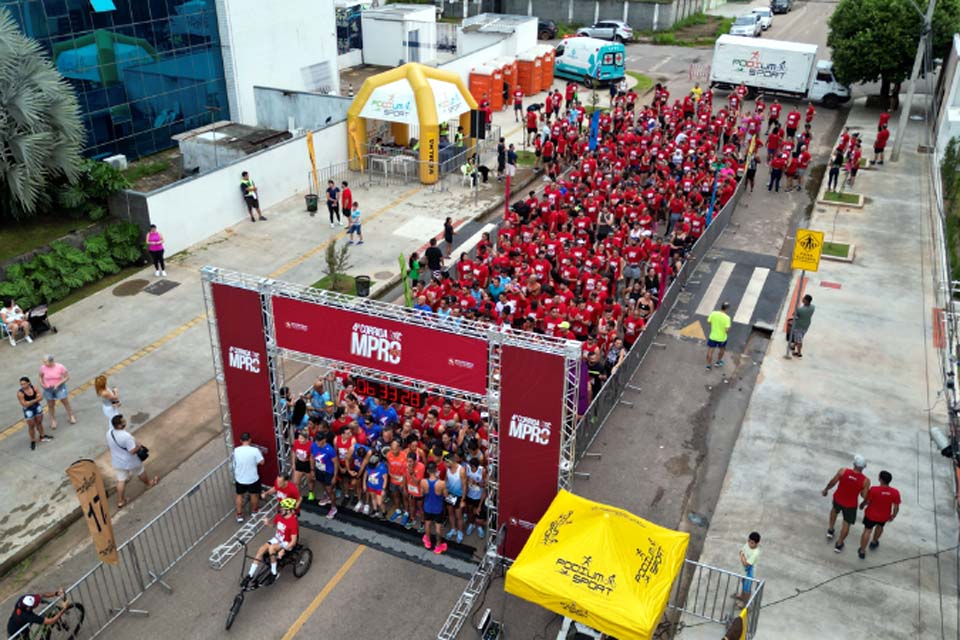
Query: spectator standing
pixel 251 196
pixel 15 320
pixel 155 246
pixel 246 475
pixel 413 268
pixel 32 406
pixel 346 201
pixel 719 323
pixel 851 486
pixel 800 323
pixel 751 173
pixel 777 166
pixel 833 177
pixel 517 103
pixel 880 144
pixel 434 257
pixel 501 158
pixel 749 554
pixel 53 379
pixel 882 506
pixel 448 233
pixel 124 458
pixel 333 202
pixel 354 227
pixel 884 119
pixel 511 161
pixel 109 398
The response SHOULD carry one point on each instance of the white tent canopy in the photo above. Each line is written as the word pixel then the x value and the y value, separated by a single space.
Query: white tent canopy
pixel 395 102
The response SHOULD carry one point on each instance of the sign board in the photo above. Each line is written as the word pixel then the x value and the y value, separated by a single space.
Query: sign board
pixel 806 250
pixel 88 483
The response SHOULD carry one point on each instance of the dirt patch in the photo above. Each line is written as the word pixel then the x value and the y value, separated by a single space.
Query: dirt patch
pixel 700 31
pixel 130 287
pixel 173 171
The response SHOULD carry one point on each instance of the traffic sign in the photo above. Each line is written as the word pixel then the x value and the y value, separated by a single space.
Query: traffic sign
pixel 806 250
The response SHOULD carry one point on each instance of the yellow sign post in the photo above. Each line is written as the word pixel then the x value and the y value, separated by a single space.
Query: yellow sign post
pixel 806 250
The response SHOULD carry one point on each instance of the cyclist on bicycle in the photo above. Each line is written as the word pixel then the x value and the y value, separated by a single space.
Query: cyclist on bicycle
pixel 283 540
pixel 24 614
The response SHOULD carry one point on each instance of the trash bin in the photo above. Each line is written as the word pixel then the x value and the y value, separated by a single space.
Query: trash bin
pixel 312 201
pixel 363 285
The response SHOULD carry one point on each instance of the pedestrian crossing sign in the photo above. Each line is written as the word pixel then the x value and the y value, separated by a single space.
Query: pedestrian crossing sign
pixel 806 250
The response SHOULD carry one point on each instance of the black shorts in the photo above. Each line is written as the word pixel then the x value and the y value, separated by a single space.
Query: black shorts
pixel 324 478
pixel 531 129
pixel 252 488
pixel 518 106
pixel 870 524
pixel 251 203
pixel 303 466
pixel 849 513
pixel 452 500
pixel 432 517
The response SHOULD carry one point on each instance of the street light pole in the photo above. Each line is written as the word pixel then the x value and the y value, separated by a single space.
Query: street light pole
pixel 905 112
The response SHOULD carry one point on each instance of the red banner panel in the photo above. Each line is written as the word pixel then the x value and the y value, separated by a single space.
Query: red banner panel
pixel 531 413
pixel 386 345
pixel 244 355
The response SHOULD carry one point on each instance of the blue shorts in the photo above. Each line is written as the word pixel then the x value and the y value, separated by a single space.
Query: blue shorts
pixel 33 411
pixel 59 392
pixel 715 343
pixel 354 228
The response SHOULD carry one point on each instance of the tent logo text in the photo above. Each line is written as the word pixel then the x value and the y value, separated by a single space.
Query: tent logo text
pixel 581 574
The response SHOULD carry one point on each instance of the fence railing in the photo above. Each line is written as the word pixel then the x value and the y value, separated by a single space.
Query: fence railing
pixel 708 592
pixel 612 390
pixel 108 591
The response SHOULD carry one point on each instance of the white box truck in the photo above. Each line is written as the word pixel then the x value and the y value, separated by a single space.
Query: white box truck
pixel 775 67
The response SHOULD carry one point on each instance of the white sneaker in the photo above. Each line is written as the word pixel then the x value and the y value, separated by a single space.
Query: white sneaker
pixel 157 273
pixel 331 225
pixel 357 506
pixel 13 341
pixel 163 273
pixel 29 339
pixel 366 509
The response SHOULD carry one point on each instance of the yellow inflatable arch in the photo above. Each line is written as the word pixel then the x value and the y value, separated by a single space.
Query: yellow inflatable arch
pixel 409 94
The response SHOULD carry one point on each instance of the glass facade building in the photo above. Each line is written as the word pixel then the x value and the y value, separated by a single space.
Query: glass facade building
pixel 143 70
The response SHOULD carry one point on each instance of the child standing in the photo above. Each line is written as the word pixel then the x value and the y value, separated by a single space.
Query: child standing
pixel 749 554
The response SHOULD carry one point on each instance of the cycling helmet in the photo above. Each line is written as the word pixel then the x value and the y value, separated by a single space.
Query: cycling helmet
pixel 288 503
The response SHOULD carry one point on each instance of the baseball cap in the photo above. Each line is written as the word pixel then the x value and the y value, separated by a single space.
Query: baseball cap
pixel 29 601
pixel 859 461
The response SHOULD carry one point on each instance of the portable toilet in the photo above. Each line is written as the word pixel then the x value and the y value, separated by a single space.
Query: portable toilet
pixel 528 71
pixel 546 67
pixel 481 84
pixel 496 85
pixel 509 66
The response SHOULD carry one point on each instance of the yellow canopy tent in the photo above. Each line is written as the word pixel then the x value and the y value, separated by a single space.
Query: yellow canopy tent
pixel 412 94
pixel 599 565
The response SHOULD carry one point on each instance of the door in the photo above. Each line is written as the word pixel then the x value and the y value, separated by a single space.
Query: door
pixel 605 30
pixel 413 45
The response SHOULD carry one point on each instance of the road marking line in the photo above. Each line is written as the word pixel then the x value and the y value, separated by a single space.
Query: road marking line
pixel 751 296
pixel 657 66
pixel 712 295
pixel 327 588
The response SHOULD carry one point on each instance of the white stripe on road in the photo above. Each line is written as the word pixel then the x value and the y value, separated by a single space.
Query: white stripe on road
pixel 657 66
pixel 712 295
pixel 750 297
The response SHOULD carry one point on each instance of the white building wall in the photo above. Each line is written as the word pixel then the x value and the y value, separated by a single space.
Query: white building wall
pixel 948 117
pixel 262 45
pixel 382 41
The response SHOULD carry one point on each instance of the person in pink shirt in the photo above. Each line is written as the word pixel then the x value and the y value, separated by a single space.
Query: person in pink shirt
pixel 155 245
pixel 53 380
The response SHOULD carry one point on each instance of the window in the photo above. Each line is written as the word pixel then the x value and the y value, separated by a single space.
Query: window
pixel 100 6
pixel 559 51
pixel 608 58
pixel 618 59
pixel 824 76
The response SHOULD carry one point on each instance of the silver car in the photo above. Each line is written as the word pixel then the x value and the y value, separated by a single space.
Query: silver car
pixel 616 30
pixel 747 26
pixel 766 16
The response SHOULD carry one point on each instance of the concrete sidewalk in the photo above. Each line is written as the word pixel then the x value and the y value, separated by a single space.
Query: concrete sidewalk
pixel 867 384
pixel 156 348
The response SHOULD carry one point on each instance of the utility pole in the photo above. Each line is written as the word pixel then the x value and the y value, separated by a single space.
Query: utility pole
pixel 921 49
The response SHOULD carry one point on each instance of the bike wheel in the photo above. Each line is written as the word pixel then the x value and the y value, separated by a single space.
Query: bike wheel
pixel 68 626
pixel 303 563
pixel 234 610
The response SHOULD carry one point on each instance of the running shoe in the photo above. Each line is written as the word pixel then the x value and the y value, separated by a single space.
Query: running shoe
pixel 873 545
pixel 33 446
pixel 332 512
pixel 469 528
pixel 366 509
pixel 459 537
pixel 440 548
pixel 420 527
pixel 239 518
pixel 426 542
pixel 450 534
pixel 396 514
pixel 324 500
pixel 46 438
pixel 310 496
pixel 719 363
pixel 480 532
pixel 829 534
pixel 358 505
pixel 838 547
pixel 405 520
pixel 861 554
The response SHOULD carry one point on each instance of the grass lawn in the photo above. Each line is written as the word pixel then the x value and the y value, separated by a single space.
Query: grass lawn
pixel 836 249
pixel 17 238
pixel 345 284
pixel 845 198
pixel 526 158
pixel 90 289
pixel 644 83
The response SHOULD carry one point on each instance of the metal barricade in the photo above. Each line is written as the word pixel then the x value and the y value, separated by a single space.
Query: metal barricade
pixel 708 592
pixel 108 591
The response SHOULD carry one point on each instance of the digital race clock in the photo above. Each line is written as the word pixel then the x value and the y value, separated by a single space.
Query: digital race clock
pixel 390 392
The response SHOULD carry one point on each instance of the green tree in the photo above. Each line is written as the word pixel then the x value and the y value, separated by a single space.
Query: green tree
pixel 876 40
pixel 40 129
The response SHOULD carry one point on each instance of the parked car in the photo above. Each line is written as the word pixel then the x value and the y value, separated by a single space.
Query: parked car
pixel 766 17
pixel 747 26
pixel 546 29
pixel 781 6
pixel 616 30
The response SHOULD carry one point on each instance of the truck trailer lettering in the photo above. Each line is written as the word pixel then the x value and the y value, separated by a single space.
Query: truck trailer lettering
pixel 755 68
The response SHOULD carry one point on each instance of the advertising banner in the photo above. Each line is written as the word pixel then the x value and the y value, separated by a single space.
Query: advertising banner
pixel 425 354
pixel 531 411
pixel 244 355
pixel 88 483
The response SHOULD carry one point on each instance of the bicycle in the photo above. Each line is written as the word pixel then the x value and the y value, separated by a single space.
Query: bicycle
pixel 66 628
pixel 301 557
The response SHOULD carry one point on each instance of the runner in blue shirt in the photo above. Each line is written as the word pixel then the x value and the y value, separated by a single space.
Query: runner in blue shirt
pixel 374 483
pixel 323 459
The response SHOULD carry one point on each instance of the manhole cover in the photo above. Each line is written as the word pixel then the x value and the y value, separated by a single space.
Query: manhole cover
pixel 160 287
pixel 698 519
pixel 130 287
pixel 383 275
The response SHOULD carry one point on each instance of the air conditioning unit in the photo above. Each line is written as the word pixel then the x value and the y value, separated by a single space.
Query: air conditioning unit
pixel 118 161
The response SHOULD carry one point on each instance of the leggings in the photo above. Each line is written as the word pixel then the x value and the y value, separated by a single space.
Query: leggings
pixel 833 178
pixel 334 211
pixel 158 260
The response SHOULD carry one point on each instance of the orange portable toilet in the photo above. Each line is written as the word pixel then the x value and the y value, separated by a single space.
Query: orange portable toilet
pixel 496 85
pixel 528 72
pixel 546 69
pixel 509 66
pixel 481 84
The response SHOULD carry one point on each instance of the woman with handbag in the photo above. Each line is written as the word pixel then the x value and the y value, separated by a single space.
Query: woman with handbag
pixel 126 458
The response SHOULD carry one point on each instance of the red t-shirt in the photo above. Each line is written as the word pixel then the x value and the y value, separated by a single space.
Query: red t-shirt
pixel 880 501
pixel 289 491
pixel 882 136
pixel 849 487
pixel 287 527
pixel 346 196
pixel 301 450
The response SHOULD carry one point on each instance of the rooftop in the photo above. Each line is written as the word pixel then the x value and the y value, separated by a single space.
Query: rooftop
pixel 494 23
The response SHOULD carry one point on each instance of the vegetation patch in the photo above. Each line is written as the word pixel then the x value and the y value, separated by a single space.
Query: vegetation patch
pixel 644 83
pixel 23 236
pixel 836 249
pixel 697 30
pixel 843 198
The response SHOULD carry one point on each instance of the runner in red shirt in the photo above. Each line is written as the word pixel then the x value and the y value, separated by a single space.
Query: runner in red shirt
pixel 810 113
pixel 531 126
pixel 851 486
pixel 518 103
pixel 284 489
pixel 774 120
pixel 882 506
pixel 880 144
pixel 793 121
pixel 884 119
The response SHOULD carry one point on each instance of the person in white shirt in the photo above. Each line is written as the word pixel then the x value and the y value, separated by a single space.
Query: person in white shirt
pixel 123 458
pixel 246 459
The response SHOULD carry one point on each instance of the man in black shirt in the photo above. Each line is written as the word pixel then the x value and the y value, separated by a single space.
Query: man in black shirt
pixel 434 257
pixel 24 614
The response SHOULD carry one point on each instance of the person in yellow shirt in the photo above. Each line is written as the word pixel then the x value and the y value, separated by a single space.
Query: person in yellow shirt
pixel 719 323
pixel 696 92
